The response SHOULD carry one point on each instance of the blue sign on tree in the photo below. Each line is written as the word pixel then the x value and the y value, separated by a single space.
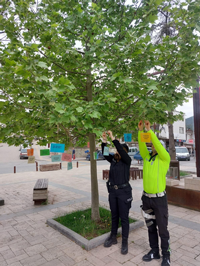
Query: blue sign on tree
pixel 57 147
pixel 127 137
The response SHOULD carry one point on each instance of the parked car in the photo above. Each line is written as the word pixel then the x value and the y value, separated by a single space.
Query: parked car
pixel 27 143
pixel 138 157
pixel 23 154
pixel 132 151
pixel 100 156
pixel 182 153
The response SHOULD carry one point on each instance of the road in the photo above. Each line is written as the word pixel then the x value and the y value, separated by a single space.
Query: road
pixel 9 157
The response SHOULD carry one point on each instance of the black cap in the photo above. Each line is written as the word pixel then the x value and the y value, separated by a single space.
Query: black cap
pixel 126 147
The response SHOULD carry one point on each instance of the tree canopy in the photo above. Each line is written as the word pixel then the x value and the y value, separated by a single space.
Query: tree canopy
pixel 69 68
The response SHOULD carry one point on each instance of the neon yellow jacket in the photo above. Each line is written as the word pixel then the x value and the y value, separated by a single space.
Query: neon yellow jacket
pixel 154 172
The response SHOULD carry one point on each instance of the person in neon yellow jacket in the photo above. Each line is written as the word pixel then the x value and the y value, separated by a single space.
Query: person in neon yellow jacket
pixel 154 199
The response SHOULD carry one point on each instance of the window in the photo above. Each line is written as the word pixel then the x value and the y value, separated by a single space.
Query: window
pixel 181 130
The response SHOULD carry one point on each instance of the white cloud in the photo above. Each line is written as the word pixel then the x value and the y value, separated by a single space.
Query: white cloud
pixel 187 108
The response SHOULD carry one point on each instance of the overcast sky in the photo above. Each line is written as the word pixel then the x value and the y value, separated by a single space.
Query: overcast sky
pixel 186 108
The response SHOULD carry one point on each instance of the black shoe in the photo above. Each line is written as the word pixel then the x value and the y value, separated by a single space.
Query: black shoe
pixel 111 240
pixel 124 249
pixel 165 261
pixel 151 255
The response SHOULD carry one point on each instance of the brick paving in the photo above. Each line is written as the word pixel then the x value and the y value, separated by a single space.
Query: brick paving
pixel 26 239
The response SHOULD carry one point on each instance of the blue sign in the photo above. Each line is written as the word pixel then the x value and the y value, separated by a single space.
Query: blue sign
pixel 127 137
pixel 57 147
pixel 106 151
pixel 56 158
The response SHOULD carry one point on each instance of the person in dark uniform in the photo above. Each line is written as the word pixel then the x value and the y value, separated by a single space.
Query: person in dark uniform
pixel 120 191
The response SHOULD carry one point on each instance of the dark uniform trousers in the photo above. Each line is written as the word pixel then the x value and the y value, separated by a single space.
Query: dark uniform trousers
pixel 120 203
pixel 157 206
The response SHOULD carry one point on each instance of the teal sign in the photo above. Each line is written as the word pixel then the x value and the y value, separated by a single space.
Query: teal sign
pixel 106 151
pixel 44 152
pixel 127 137
pixel 69 166
pixel 57 147
pixel 56 158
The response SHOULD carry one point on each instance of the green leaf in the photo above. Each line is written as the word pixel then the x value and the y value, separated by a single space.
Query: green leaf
pixel 42 64
pixel 79 109
pixel 95 114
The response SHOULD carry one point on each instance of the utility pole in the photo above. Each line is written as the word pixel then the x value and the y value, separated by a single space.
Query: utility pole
pixel 196 107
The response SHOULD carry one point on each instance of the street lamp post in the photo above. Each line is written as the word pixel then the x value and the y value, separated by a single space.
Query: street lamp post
pixel 196 107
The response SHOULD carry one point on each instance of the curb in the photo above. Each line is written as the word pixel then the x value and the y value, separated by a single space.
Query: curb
pixel 83 242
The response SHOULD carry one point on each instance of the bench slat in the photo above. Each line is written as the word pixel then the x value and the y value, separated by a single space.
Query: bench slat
pixel 41 184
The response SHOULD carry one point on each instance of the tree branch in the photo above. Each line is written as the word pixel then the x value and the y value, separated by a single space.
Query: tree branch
pixel 68 71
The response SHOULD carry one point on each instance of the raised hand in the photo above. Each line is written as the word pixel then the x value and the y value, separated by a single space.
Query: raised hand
pixel 110 134
pixel 104 136
pixel 140 125
pixel 147 125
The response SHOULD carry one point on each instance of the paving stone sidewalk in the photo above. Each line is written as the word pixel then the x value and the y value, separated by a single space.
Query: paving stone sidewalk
pixel 26 239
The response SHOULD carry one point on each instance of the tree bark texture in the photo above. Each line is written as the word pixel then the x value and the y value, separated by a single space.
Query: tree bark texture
pixel 196 107
pixel 93 163
pixel 172 151
pixel 94 181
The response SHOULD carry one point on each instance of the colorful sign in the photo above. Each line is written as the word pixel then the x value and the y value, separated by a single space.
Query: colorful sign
pixel 30 152
pixel 190 141
pixel 69 166
pixel 145 137
pixel 106 151
pixel 66 157
pixel 95 155
pixel 56 158
pixel 44 152
pixel 31 159
pixel 57 147
pixel 127 137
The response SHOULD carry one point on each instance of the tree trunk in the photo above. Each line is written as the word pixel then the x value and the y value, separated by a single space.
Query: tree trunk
pixel 172 151
pixel 93 164
pixel 94 182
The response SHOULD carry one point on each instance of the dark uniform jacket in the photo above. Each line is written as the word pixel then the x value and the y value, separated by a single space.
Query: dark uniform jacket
pixel 119 171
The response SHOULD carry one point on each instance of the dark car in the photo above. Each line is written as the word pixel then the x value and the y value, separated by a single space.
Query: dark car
pixel 137 156
pixel 100 156
pixel 23 154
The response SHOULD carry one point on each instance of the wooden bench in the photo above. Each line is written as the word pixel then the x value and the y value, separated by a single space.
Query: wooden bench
pixel 40 191
pixel 50 167
pixel 134 173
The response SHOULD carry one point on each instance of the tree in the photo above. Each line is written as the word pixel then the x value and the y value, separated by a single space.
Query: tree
pixel 166 26
pixel 74 69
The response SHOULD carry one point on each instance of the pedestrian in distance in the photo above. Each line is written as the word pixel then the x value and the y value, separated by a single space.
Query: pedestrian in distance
pixel 73 154
pixel 120 191
pixel 154 198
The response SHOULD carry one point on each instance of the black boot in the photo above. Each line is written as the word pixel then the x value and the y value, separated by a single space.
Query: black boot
pixel 165 261
pixel 111 240
pixel 124 249
pixel 151 255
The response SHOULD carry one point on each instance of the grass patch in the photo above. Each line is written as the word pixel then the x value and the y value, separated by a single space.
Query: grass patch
pixel 81 223
pixel 182 173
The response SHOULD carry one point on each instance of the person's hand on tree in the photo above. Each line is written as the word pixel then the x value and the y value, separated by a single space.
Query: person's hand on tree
pixel 110 134
pixel 104 136
pixel 147 125
pixel 140 125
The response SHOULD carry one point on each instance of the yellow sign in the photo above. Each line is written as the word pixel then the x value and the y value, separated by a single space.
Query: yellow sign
pixel 145 137
pixel 31 159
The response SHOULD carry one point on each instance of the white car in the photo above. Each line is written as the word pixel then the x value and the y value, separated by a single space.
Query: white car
pixel 132 151
pixel 182 153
